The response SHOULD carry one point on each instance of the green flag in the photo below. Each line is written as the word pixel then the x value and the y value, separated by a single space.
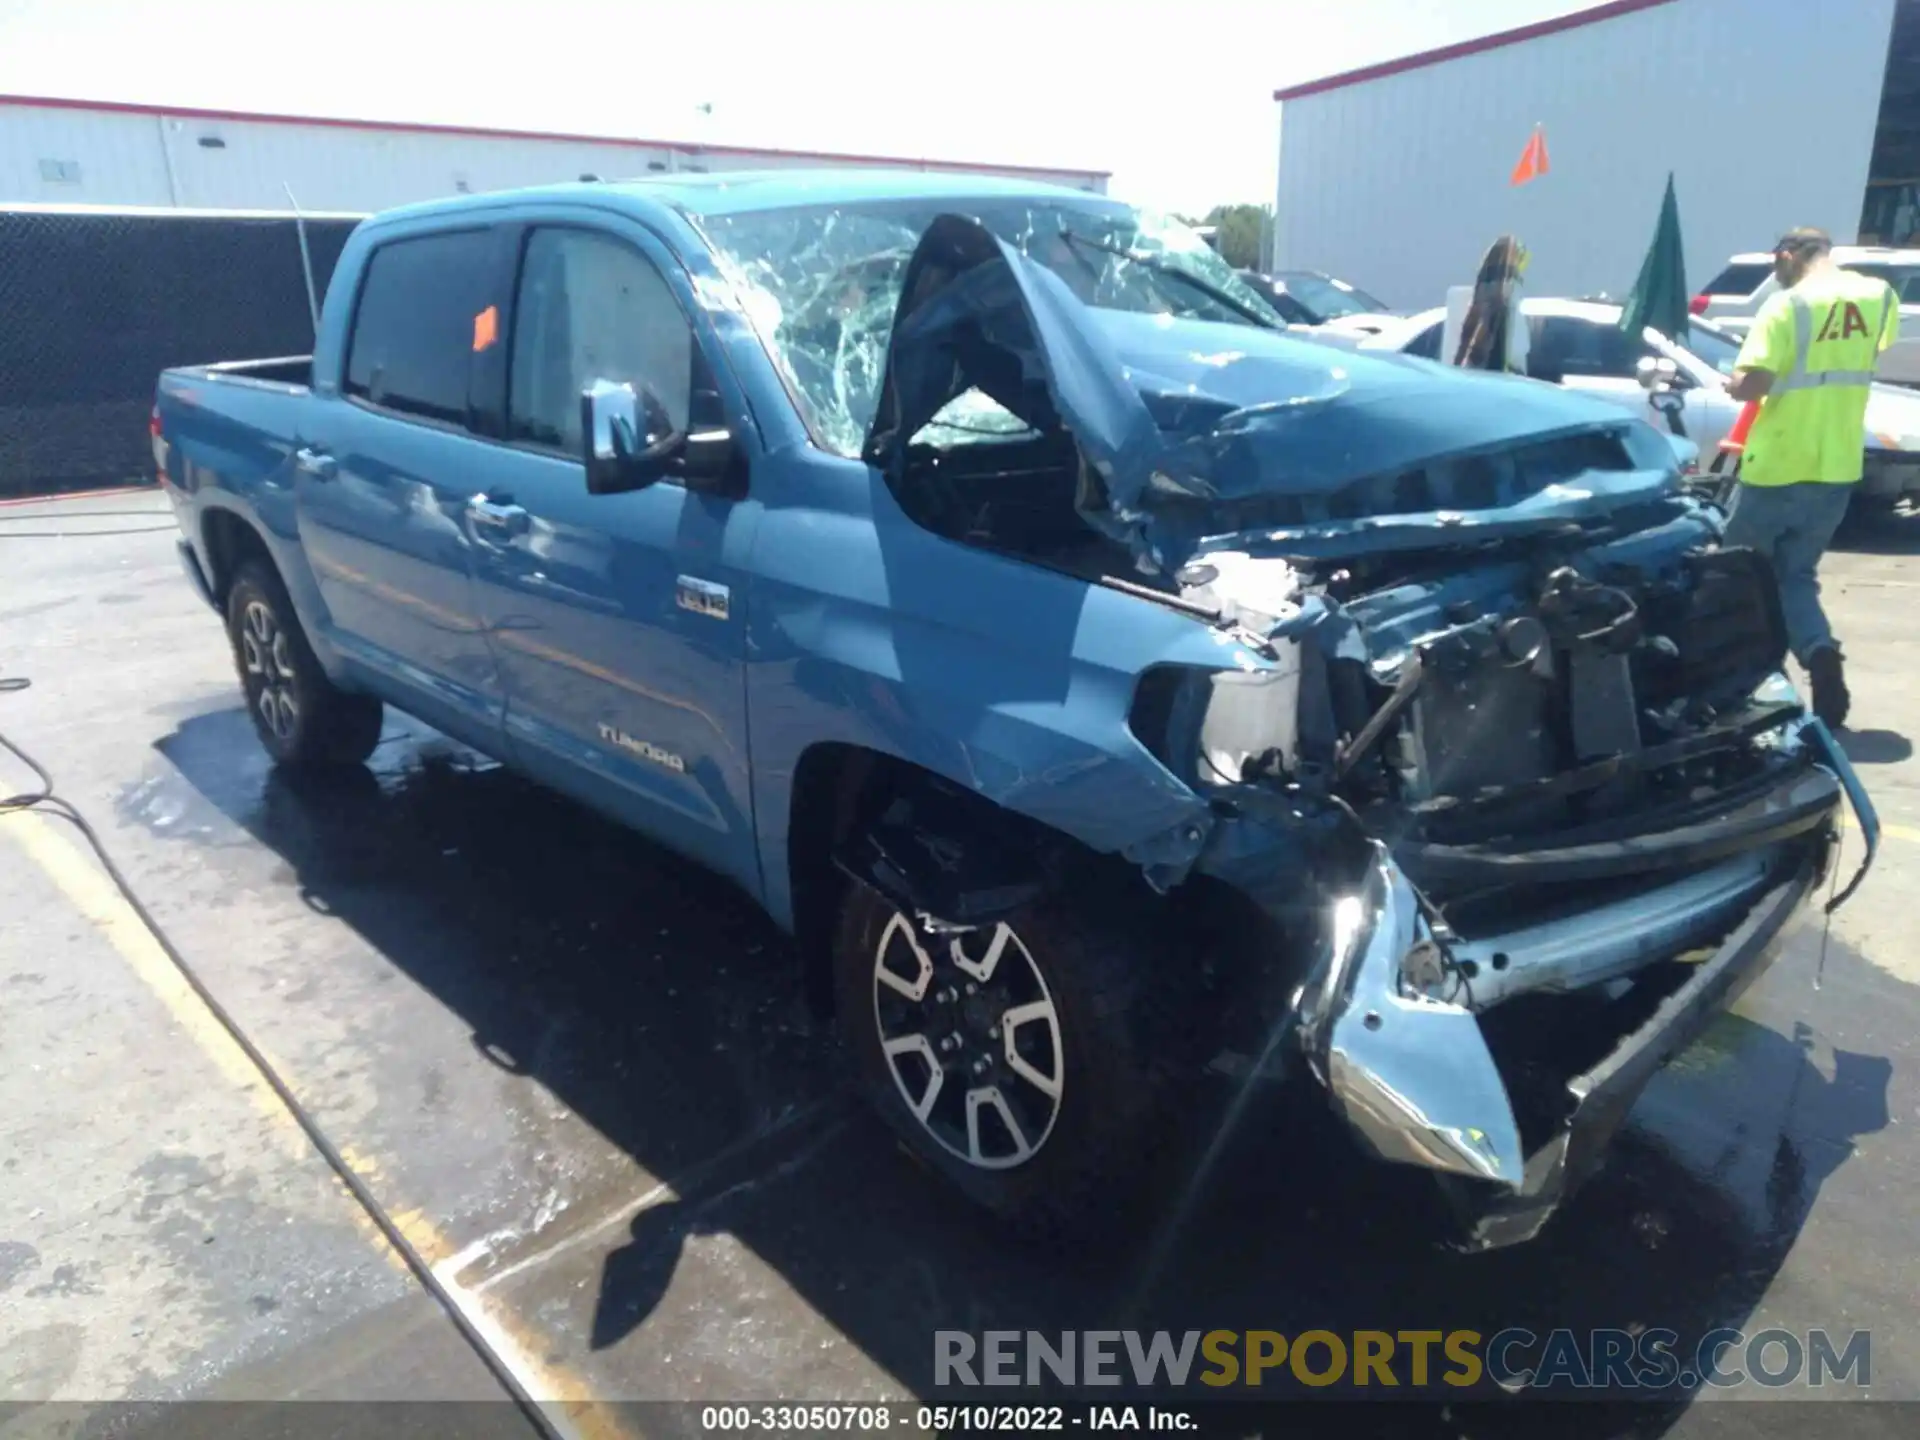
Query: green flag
pixel 1659 297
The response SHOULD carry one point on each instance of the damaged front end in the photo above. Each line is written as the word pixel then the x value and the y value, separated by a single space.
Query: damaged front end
pixel 1532 813
pixel 1504 756
pixel 1536 814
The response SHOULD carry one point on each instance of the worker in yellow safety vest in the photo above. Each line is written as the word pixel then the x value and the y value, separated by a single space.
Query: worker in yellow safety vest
pixel 1809 360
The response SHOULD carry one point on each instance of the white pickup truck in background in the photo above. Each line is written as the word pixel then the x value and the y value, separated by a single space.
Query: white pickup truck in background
pixel 1579 344
pixel 1736 294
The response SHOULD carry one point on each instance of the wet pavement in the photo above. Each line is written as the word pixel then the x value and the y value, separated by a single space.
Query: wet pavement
pixel 585 1077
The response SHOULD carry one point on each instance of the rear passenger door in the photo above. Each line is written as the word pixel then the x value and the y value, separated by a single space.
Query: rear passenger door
pixel 618 620
pixel 383 480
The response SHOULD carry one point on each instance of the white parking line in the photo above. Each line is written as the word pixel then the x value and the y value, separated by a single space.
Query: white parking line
pixel 561 1394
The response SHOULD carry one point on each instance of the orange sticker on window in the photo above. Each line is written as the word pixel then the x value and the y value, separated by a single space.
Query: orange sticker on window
pixel 486 328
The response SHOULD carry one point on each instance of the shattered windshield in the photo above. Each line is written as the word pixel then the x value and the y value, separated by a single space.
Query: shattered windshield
pixel 821 284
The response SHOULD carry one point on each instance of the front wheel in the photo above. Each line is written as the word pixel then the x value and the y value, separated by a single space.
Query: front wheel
pixel 302 718
pixel 1029 1061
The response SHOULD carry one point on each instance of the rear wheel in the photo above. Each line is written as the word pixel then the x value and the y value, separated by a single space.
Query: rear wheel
pixel 1030 1062
pixel 302 718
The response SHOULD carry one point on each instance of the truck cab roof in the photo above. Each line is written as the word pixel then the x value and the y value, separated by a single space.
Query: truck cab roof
pixel 737 191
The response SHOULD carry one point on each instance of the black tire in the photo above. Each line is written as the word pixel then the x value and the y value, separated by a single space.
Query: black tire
pixel 1123 1045
pixel 1864 510
pixel 302 718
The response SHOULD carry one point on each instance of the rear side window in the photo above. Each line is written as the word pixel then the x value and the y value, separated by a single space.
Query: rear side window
pixel 415 328
pixel 1427 346
pixel 1740 280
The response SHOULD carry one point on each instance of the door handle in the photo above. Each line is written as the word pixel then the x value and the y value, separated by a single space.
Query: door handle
pixel 317 463
pixel 502 519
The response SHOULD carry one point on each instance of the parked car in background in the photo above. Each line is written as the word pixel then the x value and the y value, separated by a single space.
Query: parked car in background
pixel 1736 294
pixel 1307 297
pixel 1579 344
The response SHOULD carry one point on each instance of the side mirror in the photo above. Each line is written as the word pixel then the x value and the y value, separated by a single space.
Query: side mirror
pixel 629 437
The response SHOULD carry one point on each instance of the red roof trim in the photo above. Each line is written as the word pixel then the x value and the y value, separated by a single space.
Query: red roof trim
pixel 120 107
pixel 1498 41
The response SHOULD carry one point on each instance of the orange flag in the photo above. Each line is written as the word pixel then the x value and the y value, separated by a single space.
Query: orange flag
pixel 1533 159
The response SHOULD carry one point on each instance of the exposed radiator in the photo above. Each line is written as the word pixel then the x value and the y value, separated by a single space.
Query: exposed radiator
pixel 1727 628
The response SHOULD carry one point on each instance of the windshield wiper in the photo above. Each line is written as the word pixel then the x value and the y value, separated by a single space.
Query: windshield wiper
pixel 1160 267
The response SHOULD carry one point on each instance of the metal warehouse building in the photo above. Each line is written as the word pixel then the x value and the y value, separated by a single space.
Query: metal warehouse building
pixel 1769 114
pixel 68 152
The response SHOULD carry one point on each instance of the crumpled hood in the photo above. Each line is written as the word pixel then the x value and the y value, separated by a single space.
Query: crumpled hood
pixel 1264 413
pixel 1204 433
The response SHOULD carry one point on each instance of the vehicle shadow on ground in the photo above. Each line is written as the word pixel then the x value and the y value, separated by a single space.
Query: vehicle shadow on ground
pixel 658 1005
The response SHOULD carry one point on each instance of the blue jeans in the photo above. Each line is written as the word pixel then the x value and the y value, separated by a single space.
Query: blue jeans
pixel 1792 525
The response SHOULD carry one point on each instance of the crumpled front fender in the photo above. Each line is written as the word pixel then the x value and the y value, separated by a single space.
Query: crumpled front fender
pixel 1412 1075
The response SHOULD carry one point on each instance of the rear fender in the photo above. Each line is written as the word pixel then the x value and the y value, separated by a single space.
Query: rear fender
pixel 227 530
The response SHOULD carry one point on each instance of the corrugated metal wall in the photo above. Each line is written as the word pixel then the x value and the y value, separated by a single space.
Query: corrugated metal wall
pixel 78 156
pixel 1763 109
pixel 97 303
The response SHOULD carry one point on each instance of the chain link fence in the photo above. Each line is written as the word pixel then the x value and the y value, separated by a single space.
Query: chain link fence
pixel 93 305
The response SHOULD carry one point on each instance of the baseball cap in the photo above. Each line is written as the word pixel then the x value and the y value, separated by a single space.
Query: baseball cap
pixel 1802 240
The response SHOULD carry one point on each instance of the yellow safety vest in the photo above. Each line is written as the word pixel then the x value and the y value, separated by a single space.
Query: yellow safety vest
pixel 1821 341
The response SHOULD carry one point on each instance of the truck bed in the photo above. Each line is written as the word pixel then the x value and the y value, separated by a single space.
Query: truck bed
pixel 230 426
pixel 279 370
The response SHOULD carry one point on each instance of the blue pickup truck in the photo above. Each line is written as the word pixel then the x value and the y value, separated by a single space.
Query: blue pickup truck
pixel 1102 686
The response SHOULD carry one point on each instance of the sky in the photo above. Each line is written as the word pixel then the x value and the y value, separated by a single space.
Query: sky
pixel 1173 96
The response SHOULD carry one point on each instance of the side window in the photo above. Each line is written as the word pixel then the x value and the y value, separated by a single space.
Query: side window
pixel 1910 290
pixel 1738 281
pixel 591 308
pixel 1427 344
pixel 1561 347
pixel 414 325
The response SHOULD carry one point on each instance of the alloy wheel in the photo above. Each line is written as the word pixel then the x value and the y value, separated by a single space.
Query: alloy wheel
pixel 268 661
pixel 972 1039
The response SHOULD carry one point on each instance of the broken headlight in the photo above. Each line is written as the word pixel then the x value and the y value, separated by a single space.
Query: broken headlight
pixel 1220 727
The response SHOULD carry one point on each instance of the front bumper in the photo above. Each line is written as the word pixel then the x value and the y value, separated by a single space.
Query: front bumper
pixel 1419 1083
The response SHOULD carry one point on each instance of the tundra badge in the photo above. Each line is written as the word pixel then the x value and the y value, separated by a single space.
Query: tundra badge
pixel 702 597
pixel 642 748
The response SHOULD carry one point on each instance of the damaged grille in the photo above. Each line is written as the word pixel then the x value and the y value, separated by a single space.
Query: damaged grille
pixel 1597 700
pixel 1726 627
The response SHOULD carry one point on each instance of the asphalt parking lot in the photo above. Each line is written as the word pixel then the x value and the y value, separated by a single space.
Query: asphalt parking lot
pixel 584 1079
